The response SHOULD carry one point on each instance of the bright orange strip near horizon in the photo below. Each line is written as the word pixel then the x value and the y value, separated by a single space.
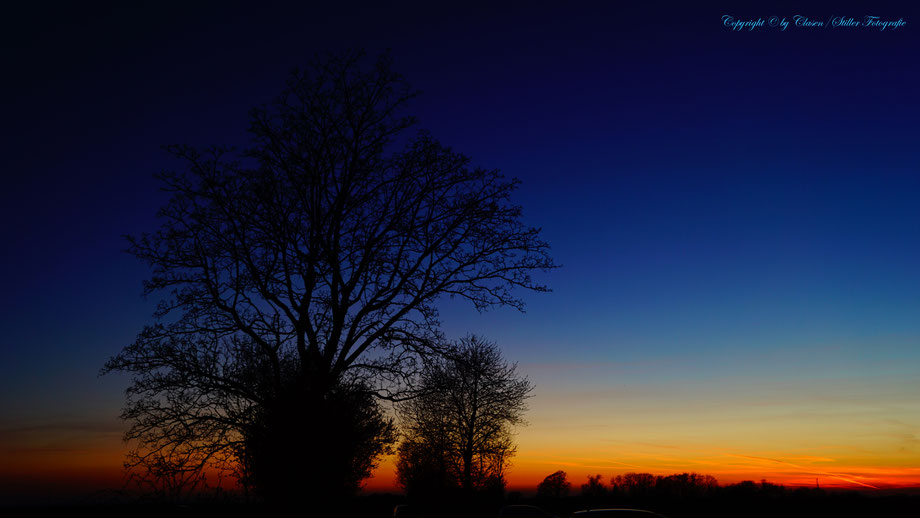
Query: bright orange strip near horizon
pixel 857 428
pixel 795 424
pixel 100 467
pixel 102 472
pixel 527 472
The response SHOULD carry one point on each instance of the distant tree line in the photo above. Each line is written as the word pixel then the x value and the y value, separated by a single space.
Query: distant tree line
pixel 632 485
pixel 693 494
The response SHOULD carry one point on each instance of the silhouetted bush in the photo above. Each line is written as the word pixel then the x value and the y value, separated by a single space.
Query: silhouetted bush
pixel 287 454
pixel 555 485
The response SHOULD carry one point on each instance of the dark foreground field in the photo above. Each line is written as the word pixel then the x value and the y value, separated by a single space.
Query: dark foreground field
pixel 756 504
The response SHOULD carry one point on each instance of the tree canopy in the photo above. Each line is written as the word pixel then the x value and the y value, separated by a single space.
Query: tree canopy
pixel 308 264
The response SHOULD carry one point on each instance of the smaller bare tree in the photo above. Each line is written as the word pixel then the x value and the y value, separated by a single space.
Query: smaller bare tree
pixel 458 431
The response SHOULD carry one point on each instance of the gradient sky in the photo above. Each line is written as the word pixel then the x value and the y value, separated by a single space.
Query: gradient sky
pixel 736 213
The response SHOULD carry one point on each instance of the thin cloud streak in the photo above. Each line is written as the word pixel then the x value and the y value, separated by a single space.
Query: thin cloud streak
pixel 805 469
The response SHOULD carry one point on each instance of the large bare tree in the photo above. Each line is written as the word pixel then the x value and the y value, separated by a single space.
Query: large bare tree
pixel 307 267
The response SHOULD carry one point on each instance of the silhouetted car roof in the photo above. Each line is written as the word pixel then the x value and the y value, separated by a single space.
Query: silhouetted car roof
pixel 524 511
pixel 615 513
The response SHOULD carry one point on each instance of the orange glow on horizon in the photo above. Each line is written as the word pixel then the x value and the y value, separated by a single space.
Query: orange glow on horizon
pixel 48 461
pixel 526 472
pixel 524 475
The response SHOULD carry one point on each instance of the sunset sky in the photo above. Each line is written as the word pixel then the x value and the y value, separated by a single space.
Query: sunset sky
pixel 737 214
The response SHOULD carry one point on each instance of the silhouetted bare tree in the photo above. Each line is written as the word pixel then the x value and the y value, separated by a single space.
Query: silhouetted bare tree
pixel 459 428
pixel 309 265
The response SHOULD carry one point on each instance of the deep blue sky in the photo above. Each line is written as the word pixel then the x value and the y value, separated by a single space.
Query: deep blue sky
pixel 708 192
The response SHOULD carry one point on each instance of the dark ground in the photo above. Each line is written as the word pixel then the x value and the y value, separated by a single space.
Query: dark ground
pixel 756 504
